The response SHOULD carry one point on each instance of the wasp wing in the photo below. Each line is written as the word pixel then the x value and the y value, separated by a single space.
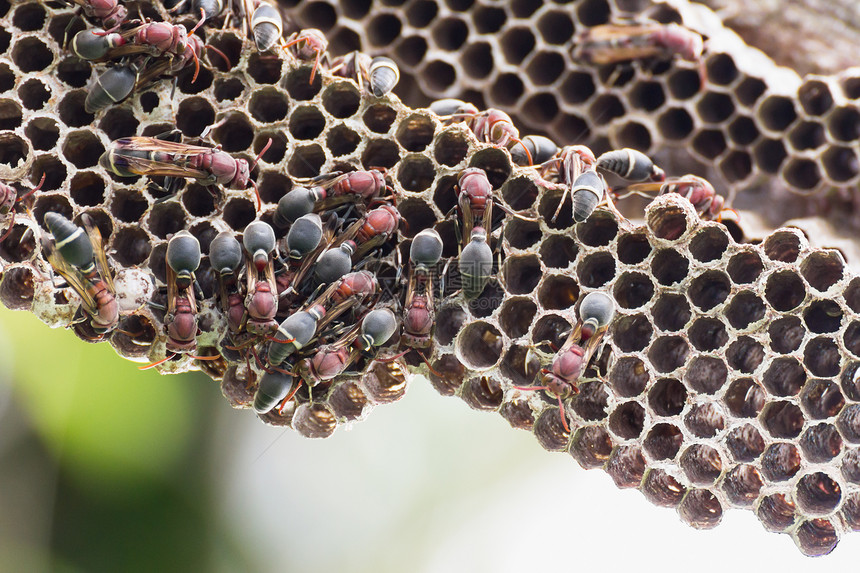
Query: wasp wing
pixel 151 167
pixel 98 248
pixel 77 281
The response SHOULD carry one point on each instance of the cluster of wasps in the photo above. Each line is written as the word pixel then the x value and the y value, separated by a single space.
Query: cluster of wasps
pixel 140 52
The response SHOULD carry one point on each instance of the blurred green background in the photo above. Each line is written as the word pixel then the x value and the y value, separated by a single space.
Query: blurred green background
pixel 107 468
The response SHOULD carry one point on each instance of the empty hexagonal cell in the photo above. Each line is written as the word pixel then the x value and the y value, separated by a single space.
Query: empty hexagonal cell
pixel 663 441
pixel 628 376
pixel 598 230
pixel 818 493
pixel 306 161
pixel 784 290
pixel 684 83
pixel 776 512
pixel 132 246
pixel 632 290
pixel 450 34
pixel 415 132
pixel 87 189
pixel 633 248
pixel 596 270
pixel 816 537
pixel 479 345
pixel 815 97
pixel 851 465
pixel 54 170
pixel 736 166
pixel 715 107
pixel 802 174
pixel 549 206
pixel 166 219
pixel 552 329
pixel 120 122
pixel 742 130
pixel 31 54
pixel 844 124
pixel 417 214
pixel 520 365
pixel 297 82
pixel 745 309
pixel 823 316
pixel 605 108
pixel 744 398
pixel 592 401
pixel 447 374
pixel 17 288
pixel 451 147
pixel 626 466
pixel 784 377
pixel 840 163
pixel 577 87
pixel 668 353
pixel 668 222
pixel 849 423
pixel 235 133
pixel 647 95
pixel 806 135
pixel 521 273
pixel 667 397
pixel 341 140
pixel 82 149
pixel 821 356
pixel 776 112
pixel 709 244
pixel 709 289
pixel 558 292
pixel 701 464
pixel 227 89
pixel 661 489
pixel 823 269
pixel 851 338
pixel 745 355
pixel 708 334
pixel 558 251
pixel 591 446
pixel 516 44
pixel 780 462
pixel 550 431
pixel 341 99
pixel 633 333
pixel 42 132
pixel 270 104
pixel 10 114
pixel 627 420
pixel 742 485
pixel 745 267
pixel 706 374
pixel 380 154
pixel 545 67
pixel 348 401
pixel 745 443
pixel 851 511
pixel 669 267
pixel 517 315
pixel 705 420
pixel 541 107
pixel 507 89
pixel 379 118
pixel 518 413
pixel 483 393
pixel 675 124
pixel 782 419
pixel 71 109
pixel 439 76
pixel 821 443
pixel 632 134
pixel 769 155
pixel 238 213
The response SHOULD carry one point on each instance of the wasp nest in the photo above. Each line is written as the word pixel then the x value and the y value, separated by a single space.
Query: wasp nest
pixel 734 115
pixel 728 376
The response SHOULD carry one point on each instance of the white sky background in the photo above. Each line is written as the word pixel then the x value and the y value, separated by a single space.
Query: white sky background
pixel 429 485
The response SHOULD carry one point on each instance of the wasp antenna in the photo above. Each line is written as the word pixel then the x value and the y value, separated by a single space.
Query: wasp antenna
pixel 216 357
pixel 220 53
pixel 8 231
pixel 200 23
pixel 257 194
pixel 289 396
pixel 392 358
pixel 560 204
pixel 429 367
pixel 154 364
pixel 279 340
pixel 264 150
pixel 196 66
pixel 316 65
pixel 529 388
pixel 256 357
pixel 36 188
pixel 562 414
pixel 526 149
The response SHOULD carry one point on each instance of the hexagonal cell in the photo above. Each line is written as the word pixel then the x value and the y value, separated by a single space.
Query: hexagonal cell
pixel 341 140
pixel 71 109
pixel 675 124
pixel 479 345
pixel 851 465
pixel 558 251
pixel 702 464
pixel 776 512
pixel 341 99
pixel 784 290
pixel 451 148
pixel 558 292
pixel 782 419
pixel 417 214
pixel 17 288
pixel 822 357
pixel 234 133
pixel 745 355
pixel 348 401
pixel 380 154
pixel 592 401
pixel 270 104
pixel 745 309
pixel 709 143
pixel 851 511
pixel 633 333
pixel 87 189
pixel 378 118
pixel 802 173
pixel 605 108
pixel 598 230
pixel 298 82
pixel 743 130
pixel 776 112
pixel 742 485
pixel 851 338
pixel 548 207
pixel 661 489
pixel 708 334
pixel 188 85
pixel 238 213
pixel 627 420
pixel 780 462
pixel 684 83
pixel 669 267
pixel 415 173
pixel 816 537
pixel 419 14
pixel 709 289
pixel 31 54
pixel 668 353
pixel 521 273
pixel 823 316
pixel 591 446
pixel 626 466
pixel 120 122
pixel 82 149
pixel 849 423
pixel 806 135
pixel 663 441
pixel 517 315
pixel 166 219
pixel 821 443
pixel 744 398
pixel 19 245
pixel 709 244
pixel 552 329
pixel 450 34
pixel 632 290
pixel 745 443
pixel 706 374
pixel 844 124
pixel 628 376
pixel 818 493
pixel 483 393
pixel 668 222
pixel 314 421
pixel 667 397
pixel 506 90
pixel 520 365
pixel 385 382
pixel 306 161
pixel 715 107
pixel 769 155
pixel 544 68
pixel 823 269
pixel 745 267
pixel 42 132
pixel 447 374
pixel 550 432
pixel 596 270
pixel 54 170
pixel 415 132
pixel 541 108
pixel 736 166
pixel 815 97
pixel 226 89
pixel 634 135
pixel 840 164
pixel 132 246
pixel 577 87
pixel 439 76
pixel 784 377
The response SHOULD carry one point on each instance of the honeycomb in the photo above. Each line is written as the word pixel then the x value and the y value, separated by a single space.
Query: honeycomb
pixel 728 377
pixel 741 120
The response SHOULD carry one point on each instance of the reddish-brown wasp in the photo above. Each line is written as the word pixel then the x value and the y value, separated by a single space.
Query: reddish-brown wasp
pixel 9 200
pixel 694 189
pixel 309 44
pixel 614 43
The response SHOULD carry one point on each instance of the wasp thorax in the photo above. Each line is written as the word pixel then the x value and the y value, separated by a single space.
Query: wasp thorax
pixel 71 240
pixel 304 235
pixel 183 253
pixel 426 248
pixel 225 253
